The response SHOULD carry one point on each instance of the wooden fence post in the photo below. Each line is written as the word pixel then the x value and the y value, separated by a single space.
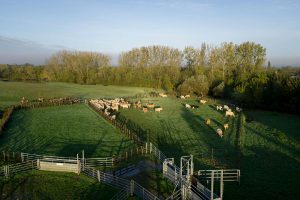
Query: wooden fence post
pixel 221 185
pixel 83 161
pixel 98 175
pixel 22 157
pixel 212 185
pixel 146 147
pixel 131 187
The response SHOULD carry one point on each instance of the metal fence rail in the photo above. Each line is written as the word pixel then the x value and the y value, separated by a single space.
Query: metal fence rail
pixel 175 196
pixel 8 170
pixel 95 162
pixel 157 153
pixel 143 193
pixel 228 175
pixel 121 195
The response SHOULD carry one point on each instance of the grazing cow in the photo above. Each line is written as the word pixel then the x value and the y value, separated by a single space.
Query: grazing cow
pixel 226 107
pixel 162 95
pixel 229 113
pixel 187 96
pixel 145 109
pixel 182 97
pixel 194 106
pixel 207 121
pixel 113 117
pixel 107 112
pixel 225 126
pixel 219 132
pixel 238 109
pixel 115 107
pixel 203 101
pixel 150 105
pixel 124 105
pixel 157 109
pixel 219 108
pixel 40 99
pixel 187 106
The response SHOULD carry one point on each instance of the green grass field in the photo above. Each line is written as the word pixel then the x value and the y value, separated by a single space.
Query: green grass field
pixel 63 131
pixel 270 162
pixel 37 185
pixel 11 92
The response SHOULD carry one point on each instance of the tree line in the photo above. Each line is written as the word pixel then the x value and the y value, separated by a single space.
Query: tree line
pixel 232 71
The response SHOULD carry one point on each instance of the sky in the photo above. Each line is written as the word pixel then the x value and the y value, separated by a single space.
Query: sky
pixel 32 30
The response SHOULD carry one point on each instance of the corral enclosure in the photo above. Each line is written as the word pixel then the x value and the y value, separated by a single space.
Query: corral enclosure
pixel 49 185
pixel 11 92
pixel 64 131
pixel 269 162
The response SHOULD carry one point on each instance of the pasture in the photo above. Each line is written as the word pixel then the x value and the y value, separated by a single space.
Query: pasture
pixel 49 185
pixel 12 92
pixel 269 156
pixel 270 151
pixel 63 131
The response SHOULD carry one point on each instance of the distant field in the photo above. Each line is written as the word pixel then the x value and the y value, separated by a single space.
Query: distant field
pixel 38 185
pixel 63 131
pixel 11 92
pixel 270 163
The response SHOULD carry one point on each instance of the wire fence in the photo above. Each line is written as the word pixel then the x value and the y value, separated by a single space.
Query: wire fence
pixel 47 103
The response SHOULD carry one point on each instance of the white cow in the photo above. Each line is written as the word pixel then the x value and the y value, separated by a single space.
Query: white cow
pixel 238 109
pixel 182 97
pixel 229 113
pixel 219 108
pixel 187 105
pixel 226 107
pixel 203 101
pixel 219 132
pixel 157 109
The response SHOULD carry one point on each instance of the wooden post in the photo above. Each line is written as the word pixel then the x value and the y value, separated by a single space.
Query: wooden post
pixel 78 165
pixel 221 185
pixel 146 147
pixel 239 176
pixel 131 187
pixel 98 175
pixel 150 150
pixel 212 186
pixel 83 161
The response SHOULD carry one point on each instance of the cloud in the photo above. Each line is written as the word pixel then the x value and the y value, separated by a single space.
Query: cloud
pixel 19 51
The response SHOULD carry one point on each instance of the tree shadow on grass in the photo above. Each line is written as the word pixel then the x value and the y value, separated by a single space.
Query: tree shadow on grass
pixel 208 139
pixel 280 144
pixel 266 174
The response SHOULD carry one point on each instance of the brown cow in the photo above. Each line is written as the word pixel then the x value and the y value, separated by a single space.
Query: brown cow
pixel 145 109
pixel 207 121
pixel 225 126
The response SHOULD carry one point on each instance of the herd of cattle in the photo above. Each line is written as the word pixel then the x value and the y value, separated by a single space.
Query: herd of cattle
pixel 111 106
pixel 228 112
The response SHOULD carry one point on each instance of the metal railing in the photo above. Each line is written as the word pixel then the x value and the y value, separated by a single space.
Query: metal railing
pixel 228 175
